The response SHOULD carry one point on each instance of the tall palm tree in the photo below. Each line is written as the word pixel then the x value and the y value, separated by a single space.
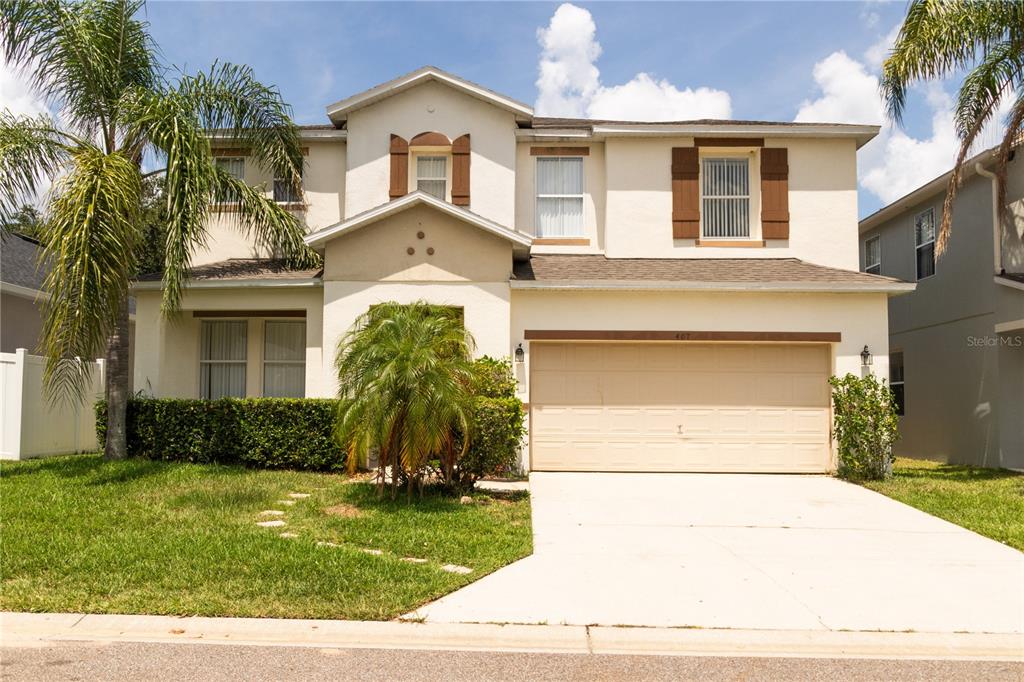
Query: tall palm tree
pixel 943 38
pixel 95 63
pixel 406 374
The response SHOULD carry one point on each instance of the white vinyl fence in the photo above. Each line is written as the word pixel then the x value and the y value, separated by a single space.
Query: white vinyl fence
pixel 29 425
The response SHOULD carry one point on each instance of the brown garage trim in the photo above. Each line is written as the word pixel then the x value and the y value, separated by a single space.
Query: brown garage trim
pixel 248 313
pixel 554 241
pixel 630 335
pixel 728 142
pixel 559 151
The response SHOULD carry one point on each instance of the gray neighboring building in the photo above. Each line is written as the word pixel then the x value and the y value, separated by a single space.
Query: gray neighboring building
pixel 957 342
pixel 21 283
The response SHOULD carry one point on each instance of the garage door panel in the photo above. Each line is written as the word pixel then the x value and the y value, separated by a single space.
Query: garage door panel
pixel 679 407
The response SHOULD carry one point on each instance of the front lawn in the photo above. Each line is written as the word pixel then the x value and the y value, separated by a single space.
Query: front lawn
pixel 84 535
pixel 987 501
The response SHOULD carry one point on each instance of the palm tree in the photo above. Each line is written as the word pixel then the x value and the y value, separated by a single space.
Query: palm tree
pixel 943 38
pixel 406 375
pixel 120 109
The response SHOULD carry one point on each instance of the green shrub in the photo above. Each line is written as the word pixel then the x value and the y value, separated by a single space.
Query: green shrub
pixel 499 430
pixel 270 433
pixel 493 378
pixel 866 427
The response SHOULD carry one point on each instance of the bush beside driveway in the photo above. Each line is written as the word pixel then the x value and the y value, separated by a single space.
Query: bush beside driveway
pixel 84 535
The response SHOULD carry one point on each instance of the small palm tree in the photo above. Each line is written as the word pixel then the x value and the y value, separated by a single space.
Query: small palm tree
pixel 405 373
pixel 95 62
pixel 942 38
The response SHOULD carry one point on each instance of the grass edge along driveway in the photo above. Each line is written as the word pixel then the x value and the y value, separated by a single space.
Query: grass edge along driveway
pixel 138 536
pixel 989 502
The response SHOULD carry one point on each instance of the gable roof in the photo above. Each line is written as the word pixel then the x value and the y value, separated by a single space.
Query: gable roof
pixel 520 242
pixel 19 262
pixel 339 111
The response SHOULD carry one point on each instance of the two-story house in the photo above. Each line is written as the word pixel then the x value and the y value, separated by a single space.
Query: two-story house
pixel 956 343
pixel 674 295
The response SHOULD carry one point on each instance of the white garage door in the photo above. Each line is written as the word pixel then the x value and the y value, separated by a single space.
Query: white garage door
pixel 755 407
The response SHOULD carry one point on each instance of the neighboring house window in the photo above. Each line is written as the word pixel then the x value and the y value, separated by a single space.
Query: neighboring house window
pixel 924 243
pixel 896 379
pixel 284 192
pixel 284 359
pixel 432 175
pixel 222 359
pixel 234 165
pixel 725 195
pixel 873 256
pixel 560 196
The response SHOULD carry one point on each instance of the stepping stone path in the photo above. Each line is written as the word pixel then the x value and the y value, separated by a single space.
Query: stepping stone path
pixel 299 496
pixel 454 568
pixel 289 535
pixel 287 502
pixel 270 524
pixel 414 560
pixel 271 512
pixel 375 552
pixel 324 543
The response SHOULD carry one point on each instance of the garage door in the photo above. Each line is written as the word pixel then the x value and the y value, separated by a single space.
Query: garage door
pixel 679 407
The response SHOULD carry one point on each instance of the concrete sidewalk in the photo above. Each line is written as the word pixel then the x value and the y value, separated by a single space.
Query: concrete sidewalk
pixel 41 629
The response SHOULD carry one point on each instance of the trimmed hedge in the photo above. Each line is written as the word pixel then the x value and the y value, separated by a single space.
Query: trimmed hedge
pixel 499 430
pixel 268 433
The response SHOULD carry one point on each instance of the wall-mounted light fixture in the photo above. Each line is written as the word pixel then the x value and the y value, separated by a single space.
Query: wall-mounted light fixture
pixel 865 357
pixel 520 354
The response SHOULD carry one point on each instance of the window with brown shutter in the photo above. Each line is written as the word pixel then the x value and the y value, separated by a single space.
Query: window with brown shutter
pixel 399 167
pixel 460 171
pixel 774 193
pixel 685 193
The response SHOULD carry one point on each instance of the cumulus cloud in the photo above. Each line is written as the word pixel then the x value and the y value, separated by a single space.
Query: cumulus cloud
pixel 569 82
pixel 16 95
pixel 849 94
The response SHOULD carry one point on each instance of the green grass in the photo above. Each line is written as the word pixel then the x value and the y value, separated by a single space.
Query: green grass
pixel 84 535
pixel 987 501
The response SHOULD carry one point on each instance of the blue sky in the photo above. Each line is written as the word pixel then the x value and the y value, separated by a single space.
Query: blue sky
pixel 748 60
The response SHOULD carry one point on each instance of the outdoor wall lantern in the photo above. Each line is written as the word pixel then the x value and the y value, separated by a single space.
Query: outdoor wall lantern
pixel 520 354
pixel 865 357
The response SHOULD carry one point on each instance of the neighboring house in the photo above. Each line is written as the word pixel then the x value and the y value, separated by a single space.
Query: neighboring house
pixel 675 294
pixel 956 343
pixel 21 284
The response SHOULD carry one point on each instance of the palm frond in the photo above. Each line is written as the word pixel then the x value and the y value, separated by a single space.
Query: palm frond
pixel 31 148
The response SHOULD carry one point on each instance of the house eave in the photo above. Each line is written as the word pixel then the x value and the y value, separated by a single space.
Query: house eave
pixel 862 134
pixel 235 284
pixel 894 288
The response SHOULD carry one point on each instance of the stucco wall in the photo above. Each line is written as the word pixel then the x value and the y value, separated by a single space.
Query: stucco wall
pixel 822 202
pixel 433 107
pixel 20 323
pixel 167 357
pixel 324 187
pixel 379 251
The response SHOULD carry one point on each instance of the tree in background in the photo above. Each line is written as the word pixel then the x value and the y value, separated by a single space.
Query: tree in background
pixel 95 62
pixel 943 38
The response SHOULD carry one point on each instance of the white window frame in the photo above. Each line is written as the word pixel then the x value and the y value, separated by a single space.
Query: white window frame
pixel 267 362
pixel 582 230
pixel 902 383
pixel 244 362
pixel 444 178
pixel 922 245
pixel 749 196
pixel 873 268
pixel 296 200
pixel 218 159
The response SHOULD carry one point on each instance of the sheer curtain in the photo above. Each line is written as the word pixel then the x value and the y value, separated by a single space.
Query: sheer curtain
pixel 559 197
pixel 222 359
pixel 431 175
pixel 284 360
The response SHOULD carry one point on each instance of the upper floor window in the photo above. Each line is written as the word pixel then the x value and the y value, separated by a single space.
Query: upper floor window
pixel 560 196
pixel 222 359
pixel 234 165
pixel 924 243
pixel 725 197
pixel 284 359
pixel 432 175
pixel 284 191
pixel 873 255
pixel 896 380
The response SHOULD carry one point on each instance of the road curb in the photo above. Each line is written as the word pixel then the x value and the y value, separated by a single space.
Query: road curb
pixel 38 629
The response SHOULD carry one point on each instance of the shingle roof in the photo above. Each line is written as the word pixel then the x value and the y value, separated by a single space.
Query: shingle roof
pixel 19 258
pixel 551 122
pixel 564 268
pixel 242 269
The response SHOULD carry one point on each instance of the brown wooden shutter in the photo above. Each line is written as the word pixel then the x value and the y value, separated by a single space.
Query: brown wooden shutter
pixel 685 193
pixel 399 167
pixel 774 193
pixel 460 171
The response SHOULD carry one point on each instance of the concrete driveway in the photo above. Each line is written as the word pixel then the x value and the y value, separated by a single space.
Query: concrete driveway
pixel 743 551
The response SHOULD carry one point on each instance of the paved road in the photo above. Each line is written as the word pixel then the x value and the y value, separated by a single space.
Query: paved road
pixel 185 662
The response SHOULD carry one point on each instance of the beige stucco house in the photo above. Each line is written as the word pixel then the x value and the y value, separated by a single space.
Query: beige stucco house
pixel 956 343
pixel 680 291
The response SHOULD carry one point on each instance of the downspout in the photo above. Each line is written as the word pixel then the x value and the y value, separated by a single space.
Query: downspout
pixel 997 237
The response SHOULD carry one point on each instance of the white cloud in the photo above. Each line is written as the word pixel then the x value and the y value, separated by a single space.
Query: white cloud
pixel 849 93
pixel 16 95
pixel 879 50
pixel 569 83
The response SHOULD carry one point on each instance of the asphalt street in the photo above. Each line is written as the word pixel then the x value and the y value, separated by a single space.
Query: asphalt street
pixel 186 662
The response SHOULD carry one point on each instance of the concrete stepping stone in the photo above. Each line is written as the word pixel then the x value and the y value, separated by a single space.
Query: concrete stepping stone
pixel 299 496
pixel 271 512
pixel 324 543
pixel 276 523
pixel 414 560
pixel 375 552
pixel 289 535
pixel 287 502
pixel 455 568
